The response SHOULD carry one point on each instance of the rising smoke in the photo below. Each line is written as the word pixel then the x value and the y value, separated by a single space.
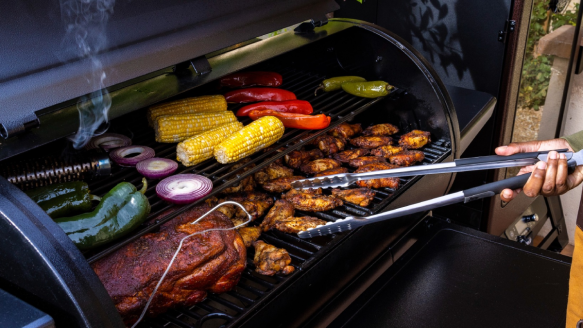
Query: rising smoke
pixel 85 22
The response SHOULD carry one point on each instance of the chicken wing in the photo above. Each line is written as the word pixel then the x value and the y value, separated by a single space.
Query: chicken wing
pixel 255 203
pixel 280 184
pixel 329 145
pixel 270 260
pixel 381 130
pixel 378 183
pixel 280 211
pixel 311 201
pixel 272 171
pixel 337 170
pixel 245 184
pixel 249 235
pixel 296 158
pixel 346 130
pixel 415 139
pixel 365 160
pixel 407 158
pixel 319 165
pixel 228 210
pixel 297 224
pixel 347 155
pixel 371 142
pixel 361 196
pixel 386 151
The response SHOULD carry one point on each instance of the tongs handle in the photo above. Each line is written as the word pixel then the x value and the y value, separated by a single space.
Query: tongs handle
pixel 496 158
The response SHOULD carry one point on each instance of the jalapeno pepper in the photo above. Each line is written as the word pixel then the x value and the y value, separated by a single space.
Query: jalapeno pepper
pixel 63 199
pixel 335 83
pixel 121 210
pixel 258 94
pixel 247 79
pixel 296 121
pixel 372 89
pixel 288 106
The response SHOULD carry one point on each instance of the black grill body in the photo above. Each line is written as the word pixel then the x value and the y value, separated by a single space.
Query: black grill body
pixel 324 265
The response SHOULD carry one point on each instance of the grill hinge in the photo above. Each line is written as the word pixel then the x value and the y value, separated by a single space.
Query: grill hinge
pixel 200 66
pixel 509 27
pixel 309 26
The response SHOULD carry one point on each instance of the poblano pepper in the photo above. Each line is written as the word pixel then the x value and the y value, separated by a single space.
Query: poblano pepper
pixel 372 89
pixel 335 83
pixel 63 199
pixel 120 211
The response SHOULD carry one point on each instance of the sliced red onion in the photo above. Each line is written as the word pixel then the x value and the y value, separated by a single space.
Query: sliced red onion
pixel 119 155
pixel 109 141
pixel 184 188
pixel 156 168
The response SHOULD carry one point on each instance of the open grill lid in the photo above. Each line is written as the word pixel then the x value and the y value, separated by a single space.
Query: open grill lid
pixel 54 51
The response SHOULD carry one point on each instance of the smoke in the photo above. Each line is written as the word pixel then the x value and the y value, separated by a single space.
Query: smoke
pixel 85 22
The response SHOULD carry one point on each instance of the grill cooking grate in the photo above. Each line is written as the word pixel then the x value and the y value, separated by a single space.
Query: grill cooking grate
pixel 231 307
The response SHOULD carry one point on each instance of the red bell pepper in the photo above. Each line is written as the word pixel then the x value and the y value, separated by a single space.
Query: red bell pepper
pixel 296 121
pixel 258 94
pixel 288 106
pixel 247 79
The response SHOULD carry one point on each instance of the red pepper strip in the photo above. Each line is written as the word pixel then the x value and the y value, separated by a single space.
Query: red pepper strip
pixel 258 94
pixel 247 79
pixel 296 121
pixel 288 106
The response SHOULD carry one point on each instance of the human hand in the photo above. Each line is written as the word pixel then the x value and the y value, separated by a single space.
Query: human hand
pixel 547 179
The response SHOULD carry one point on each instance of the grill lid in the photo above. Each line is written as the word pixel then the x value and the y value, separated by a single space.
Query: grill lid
pixel 55 51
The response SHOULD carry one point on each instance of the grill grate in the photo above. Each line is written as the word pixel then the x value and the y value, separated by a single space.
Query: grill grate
pixel 228 308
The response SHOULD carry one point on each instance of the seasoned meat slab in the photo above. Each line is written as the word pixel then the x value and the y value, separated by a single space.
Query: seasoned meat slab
pixel 208 262
pixel 371 142
pixel 270 260
pixel 346 130
pixel 381 130
pixel 415 139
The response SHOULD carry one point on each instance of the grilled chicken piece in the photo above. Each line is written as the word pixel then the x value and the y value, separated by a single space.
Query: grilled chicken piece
pixel 311 201
pixel 407 158
pixel 249 235
pixel 280 184
pixel 415 139
pixel 371 142
pixel 280 211
pixel 365 160
pixel 246 184
pixel 297 224
pixel 386 151
pixel 377 183
pixel 255 203
pixel 296 158
pixel 329 145
pixel 228 210
pixel 320 165
pixel 347 155
pixel 293 192
pixel 272 171
pixel 346 130
pixel 381 130
pixel 337 170
pixel 361 196
pixel 270 260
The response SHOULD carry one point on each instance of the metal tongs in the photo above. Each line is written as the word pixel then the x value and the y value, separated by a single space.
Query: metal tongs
pixel 458 165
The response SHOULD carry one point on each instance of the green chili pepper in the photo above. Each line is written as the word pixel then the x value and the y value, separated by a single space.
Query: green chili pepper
pixel 121 210
pixel 372 89
pixel 335 83
pixel 63 199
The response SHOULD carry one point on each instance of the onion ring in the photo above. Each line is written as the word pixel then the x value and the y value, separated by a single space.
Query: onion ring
pixel 108 141
pixel 184 188
pixel 156 168
pixel 118 155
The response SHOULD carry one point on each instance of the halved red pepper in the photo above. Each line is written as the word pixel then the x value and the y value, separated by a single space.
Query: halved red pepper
pixel 247 79
pixel 287 106
pixel 296 121
pixel 258 94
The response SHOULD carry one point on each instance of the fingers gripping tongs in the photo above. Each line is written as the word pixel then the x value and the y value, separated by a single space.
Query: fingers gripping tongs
pixel 458 165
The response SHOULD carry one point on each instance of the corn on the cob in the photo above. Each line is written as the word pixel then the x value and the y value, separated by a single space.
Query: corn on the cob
pixel 259 134
pixel 193 105
pixel 175 128
pixel 201 147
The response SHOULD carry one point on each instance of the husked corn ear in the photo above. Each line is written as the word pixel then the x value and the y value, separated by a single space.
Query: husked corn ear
pixel 201 147
pixel 216 103
pixel 259 134
pixel 175 128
